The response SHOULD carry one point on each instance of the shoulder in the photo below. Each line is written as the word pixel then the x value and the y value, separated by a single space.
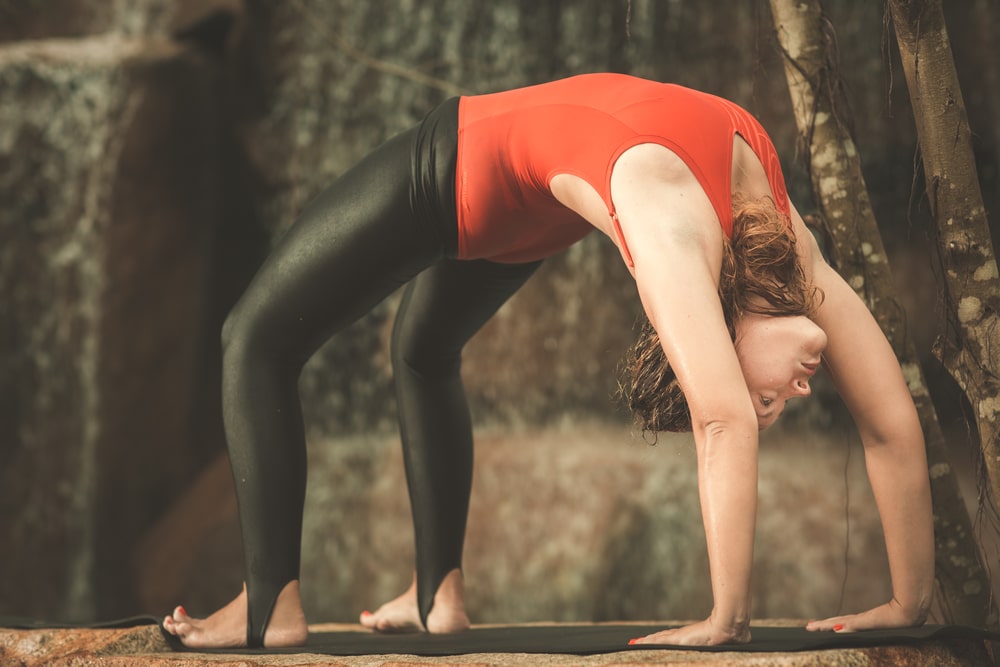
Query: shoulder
pixel 659 201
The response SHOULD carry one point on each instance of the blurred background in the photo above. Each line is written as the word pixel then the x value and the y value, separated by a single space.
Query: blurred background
pixel 152 150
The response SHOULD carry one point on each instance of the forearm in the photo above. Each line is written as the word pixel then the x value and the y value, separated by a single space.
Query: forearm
pixel 897 469
pixel 727 483
pixel 867 374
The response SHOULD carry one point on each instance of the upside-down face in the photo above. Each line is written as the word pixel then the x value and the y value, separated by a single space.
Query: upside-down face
pixel 778 355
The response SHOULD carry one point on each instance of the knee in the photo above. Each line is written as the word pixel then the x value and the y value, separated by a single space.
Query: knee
pixel 234 328
pixel 425 354
pixel 228 330
pixel 245 335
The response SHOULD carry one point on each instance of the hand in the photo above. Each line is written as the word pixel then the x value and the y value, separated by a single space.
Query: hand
pixel 704 633
pixel 890 615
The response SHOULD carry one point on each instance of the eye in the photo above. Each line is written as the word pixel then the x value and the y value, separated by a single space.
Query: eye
pixel 766 401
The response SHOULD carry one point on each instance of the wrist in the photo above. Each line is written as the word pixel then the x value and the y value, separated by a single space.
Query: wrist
pixel 913 612
pixel 732 626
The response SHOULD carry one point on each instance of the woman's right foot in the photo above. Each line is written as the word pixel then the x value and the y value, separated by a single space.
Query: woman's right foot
pixel 402 614
pixel 227 627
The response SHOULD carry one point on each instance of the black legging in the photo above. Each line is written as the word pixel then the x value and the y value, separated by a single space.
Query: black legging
pixel 385 222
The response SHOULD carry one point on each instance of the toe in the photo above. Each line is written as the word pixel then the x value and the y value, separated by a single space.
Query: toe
pixel 175 627
pixel 386 625
pixel 367 619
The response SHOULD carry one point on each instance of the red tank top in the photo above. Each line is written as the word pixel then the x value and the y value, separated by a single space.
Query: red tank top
pixel 511 144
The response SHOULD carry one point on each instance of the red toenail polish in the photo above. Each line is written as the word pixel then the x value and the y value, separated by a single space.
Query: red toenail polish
pixel 366 613
pixel 181 610
pixel 838 627
pixel 632 641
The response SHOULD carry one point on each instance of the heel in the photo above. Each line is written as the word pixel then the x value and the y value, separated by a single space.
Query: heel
pixel 260 604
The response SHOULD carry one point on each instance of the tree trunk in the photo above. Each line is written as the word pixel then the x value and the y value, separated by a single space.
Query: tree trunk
pixel 971 351
pixel 820 111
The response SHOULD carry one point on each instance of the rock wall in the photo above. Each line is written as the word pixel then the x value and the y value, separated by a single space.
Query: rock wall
pixel 46 19
pixel 104 237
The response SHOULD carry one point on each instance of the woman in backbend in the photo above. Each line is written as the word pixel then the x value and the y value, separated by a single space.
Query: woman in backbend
pixel 461 210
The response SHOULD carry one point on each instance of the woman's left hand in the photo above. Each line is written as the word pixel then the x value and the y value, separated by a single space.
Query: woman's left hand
pixel 890 615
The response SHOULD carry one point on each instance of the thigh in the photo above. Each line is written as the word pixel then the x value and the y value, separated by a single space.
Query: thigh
pixel 447 304
pixel 351 247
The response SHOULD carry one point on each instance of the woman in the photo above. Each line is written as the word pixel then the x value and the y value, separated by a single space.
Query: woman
pixel 463 208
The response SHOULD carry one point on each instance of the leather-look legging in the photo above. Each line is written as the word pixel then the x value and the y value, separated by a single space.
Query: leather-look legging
pixel 388 222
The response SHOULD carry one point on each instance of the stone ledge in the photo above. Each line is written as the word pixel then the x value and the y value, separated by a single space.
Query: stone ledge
pixel 88 53
pixel 144 645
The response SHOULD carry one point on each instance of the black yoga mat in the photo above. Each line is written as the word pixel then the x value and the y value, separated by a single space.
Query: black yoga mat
pixel 591 639
pixel 566 639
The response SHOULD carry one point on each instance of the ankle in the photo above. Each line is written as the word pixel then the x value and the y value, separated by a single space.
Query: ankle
pixel 286 622
pixel 452 586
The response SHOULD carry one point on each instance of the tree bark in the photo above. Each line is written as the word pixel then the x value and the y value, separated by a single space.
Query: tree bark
pixel 821 112
pixel 971 352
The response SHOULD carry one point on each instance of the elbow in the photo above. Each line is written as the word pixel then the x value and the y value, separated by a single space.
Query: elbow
pixel 900 428
pixel 732 427
pixel 717 429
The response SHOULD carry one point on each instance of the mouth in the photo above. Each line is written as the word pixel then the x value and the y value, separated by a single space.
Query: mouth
pixel 811 367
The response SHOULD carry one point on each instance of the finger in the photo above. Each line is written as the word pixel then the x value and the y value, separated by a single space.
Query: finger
pixel 835 624
pixel 673 636
pixel 647 640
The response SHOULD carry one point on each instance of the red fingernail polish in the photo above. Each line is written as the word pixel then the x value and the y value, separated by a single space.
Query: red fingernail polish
pixel 838 627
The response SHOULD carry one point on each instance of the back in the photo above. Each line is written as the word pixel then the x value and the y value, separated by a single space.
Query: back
pixel 512 143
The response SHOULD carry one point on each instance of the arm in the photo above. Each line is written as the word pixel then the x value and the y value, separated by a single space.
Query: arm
pixel 868 377
pixel 676 244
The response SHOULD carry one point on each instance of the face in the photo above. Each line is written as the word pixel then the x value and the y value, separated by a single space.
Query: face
pixel 778 355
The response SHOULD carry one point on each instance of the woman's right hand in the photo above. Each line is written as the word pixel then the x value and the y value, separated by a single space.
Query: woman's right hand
pixel 889 615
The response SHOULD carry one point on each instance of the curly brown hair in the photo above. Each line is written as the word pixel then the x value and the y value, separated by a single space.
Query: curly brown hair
pixel 760 274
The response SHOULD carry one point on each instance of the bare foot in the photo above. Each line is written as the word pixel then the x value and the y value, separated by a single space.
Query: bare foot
pixel 401 615
pixel 227 628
